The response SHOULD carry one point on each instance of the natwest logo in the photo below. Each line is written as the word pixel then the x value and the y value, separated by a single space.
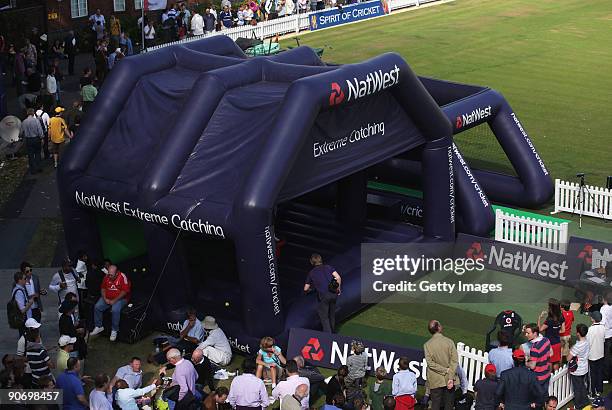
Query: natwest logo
pixel 312 350
pixel 476 115
pixel 372 83
pixel 337 95
pixel 526 262
pixel 475 251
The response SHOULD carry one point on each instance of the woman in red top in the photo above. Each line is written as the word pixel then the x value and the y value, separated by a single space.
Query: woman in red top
pixel 568 315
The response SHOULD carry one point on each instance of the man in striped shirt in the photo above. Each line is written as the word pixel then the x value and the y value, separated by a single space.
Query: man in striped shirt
pixel 38 358
pixel 539 354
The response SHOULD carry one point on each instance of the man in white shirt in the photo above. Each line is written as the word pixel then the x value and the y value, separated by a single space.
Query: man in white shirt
pixel 101 397
pixel 81 270
pixel 94 18
pixel 606 314
pixel 287 387
pixel 596 338
pixel 578 377
pixel 216 346
pixel 64 281
pixel 197 24
pixel 248 390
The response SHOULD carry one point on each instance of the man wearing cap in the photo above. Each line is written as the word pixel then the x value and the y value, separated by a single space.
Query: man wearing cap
pixel 58 132
pixel 216 346
pixel 31 323
pixel 116 288
pixel 518 387
pixel 32 133
pixel 596 336
pixel 485 389
pixel 66 346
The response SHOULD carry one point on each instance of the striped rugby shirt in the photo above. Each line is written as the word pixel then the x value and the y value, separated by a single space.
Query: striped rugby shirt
pixel 540 354
pixel 38 359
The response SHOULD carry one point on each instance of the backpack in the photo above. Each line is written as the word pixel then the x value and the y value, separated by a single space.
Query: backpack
pixel 14 315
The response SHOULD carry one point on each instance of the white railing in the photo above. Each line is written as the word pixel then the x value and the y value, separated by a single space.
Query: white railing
pixel 530 232
pixel 280 26
pixel 561 386
pixel 588 200
pixel 473 362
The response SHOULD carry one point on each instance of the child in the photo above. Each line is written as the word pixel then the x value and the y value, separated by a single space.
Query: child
pixel 485 390
pixel 357 364
pixel 568 315
pixel 269 357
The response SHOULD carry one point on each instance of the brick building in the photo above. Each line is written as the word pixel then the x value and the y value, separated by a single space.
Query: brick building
pixel 65 14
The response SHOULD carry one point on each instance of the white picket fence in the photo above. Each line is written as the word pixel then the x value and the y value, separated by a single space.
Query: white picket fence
pixel 473 362
pixel 280 26
pixel 592 201
pixel 530 232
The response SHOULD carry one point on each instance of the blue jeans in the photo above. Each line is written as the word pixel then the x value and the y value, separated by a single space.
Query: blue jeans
pixel 102 306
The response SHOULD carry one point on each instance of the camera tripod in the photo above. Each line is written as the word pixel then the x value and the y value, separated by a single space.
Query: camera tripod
pixel 583 191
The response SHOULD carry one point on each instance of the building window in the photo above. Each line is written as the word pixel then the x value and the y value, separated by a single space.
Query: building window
pixel 78 8
pixel 138 4
pixel 119 5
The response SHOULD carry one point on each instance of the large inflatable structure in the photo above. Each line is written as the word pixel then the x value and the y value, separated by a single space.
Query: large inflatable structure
pixel 194 159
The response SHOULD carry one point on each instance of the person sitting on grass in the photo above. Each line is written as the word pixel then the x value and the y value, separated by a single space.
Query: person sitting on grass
pixel 216 345
pixel 247 390
pixel 131 373
pixel 337 402
pixel 125 397
pixel 190 336
pixel 269 358
pixel 216 398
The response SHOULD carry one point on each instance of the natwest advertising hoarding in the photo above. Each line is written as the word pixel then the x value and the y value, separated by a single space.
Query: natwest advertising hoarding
pixel 331 351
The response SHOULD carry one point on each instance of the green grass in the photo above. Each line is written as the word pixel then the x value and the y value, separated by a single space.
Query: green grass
pixel 551 60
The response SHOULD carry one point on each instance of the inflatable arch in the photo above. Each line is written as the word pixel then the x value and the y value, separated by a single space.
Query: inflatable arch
pixel 467 106
pixel 201 157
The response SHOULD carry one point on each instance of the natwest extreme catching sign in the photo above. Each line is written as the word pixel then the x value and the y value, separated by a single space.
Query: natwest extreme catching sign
pixel 331 351
pixel 348 14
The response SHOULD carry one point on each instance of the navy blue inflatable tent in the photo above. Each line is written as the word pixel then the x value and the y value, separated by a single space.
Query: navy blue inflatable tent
pixel 198 140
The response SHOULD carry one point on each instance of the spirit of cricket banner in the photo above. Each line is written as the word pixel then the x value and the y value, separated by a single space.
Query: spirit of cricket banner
pixel 155 4
pixel 347 14
pixel 331 351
